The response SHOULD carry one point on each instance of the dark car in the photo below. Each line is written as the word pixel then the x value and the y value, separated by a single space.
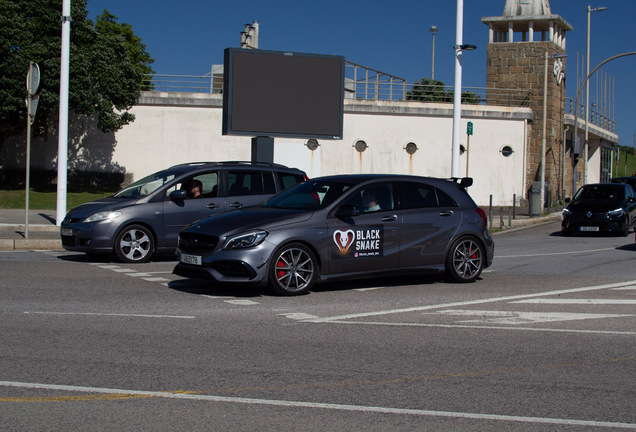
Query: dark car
pixel 342 227
pixel 146 216
pixel 601 207
pixel 627 180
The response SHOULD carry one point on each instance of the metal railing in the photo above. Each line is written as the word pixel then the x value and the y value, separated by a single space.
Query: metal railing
pixel 596 118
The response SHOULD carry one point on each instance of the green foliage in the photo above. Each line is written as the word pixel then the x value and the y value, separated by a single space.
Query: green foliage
pixel 46 198
pixel 620 168
pixel 104 78
pixel 107 25
pixel 431 90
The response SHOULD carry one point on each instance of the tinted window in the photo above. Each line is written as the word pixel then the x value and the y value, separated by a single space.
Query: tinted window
pixel 600 192
pixel 444 199
pixel 245 183
pixel 372 198
pixel 418 195
pixel 288 180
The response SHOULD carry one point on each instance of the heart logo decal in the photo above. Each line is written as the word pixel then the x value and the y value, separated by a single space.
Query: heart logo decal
pixel 343 239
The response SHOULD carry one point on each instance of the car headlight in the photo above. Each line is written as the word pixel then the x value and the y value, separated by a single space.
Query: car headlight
pixel 102 216
pixel 566 212
pixel 246 240
pixel 617 212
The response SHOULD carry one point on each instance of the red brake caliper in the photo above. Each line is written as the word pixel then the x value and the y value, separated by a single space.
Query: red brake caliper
pixel 280 273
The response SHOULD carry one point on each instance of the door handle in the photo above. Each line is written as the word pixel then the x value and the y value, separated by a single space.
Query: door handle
pixel 389 218
pixel 214 206
pixel 446 213
pixel 236 205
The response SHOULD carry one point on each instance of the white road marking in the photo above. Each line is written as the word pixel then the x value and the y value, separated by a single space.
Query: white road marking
pixel 109 267
pixel 217 297
pixel 113 314
pixel 481 327
pixel 329 406
pixel 578 301
pixel 241 302
pixel 627 288
pixel 472 302
pixel 124 270
pixel 555 253
pixel 516 317
pixel 138 274
pixel 298 316
pixel 156 279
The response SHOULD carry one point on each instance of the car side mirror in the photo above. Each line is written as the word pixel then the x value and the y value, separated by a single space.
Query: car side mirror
pixel 567 200
pixel 346 210
pixel 178 195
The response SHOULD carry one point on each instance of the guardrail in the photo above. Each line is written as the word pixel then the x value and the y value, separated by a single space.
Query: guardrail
pixel 596 118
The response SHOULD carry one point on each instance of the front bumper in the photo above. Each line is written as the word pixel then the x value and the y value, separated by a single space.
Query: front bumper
pixel 88 237
pixel 576 222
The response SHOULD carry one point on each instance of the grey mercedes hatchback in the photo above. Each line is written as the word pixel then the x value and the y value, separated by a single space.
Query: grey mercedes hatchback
pixel 347 226
pixel 146 216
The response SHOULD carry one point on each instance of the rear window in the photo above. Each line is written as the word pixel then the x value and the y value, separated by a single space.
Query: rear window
pixel 250 183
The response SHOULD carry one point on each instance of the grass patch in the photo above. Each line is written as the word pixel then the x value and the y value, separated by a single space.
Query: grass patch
pixel 46 198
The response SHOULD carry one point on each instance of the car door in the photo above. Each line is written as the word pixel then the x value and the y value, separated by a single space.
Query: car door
pixel 430 218
pixel 247 187
pixel 181 212
pixel 369 241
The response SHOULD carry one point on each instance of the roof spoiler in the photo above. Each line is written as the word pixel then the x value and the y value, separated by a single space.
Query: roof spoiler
pixel 464 182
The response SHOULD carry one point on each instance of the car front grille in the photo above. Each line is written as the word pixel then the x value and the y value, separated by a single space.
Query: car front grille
pixel 190 242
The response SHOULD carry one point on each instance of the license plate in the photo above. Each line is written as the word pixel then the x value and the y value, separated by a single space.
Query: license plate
pixel 190 259
pixel 588 228
pixel 67 232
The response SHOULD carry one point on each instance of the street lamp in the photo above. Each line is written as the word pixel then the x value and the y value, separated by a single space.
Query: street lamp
pixel 587 88
pixel 433 30
pixel 545 108
pixel 457 93
pixel 576 104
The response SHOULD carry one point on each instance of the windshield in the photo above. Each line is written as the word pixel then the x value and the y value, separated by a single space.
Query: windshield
pixel 310 195
pixel 146 186
pixel 599 192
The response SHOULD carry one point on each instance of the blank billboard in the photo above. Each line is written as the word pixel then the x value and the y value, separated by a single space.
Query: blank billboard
pixel 283 94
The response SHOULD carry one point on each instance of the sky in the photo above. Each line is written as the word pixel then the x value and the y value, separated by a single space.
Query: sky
pixel 186 37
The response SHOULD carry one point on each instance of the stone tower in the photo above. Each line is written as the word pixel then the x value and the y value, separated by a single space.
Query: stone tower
pixel 517 45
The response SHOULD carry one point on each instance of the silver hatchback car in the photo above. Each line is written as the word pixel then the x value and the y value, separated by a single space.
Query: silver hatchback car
pixel 347 226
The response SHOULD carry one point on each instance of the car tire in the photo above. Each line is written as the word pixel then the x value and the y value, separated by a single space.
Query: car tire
pixel 625 228
pixel 134 244
pixel 293 270
pixel 465 260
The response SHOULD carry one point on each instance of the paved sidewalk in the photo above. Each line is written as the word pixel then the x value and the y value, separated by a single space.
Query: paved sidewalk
pixel 45 235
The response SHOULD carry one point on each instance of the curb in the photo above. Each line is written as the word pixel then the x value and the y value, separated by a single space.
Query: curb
pixel 35 227
pixel 30 244
pixel 527 223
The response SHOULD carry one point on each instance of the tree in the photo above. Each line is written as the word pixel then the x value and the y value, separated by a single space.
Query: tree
pixel 107 24
pixel 430 90
pixel 103 78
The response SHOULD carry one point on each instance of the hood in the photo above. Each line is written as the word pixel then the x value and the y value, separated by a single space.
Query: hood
pixel 247 219
pixel 595 206
pixel 104 204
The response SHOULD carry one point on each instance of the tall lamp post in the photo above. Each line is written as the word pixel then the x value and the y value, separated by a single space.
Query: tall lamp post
pixel 587 89
pixel 457 94
pixel 433 30
pixel 545 108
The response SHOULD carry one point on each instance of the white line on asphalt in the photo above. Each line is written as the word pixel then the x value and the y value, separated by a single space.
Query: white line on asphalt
pixel 340 407
pixel 519 317
pixel 217 297
pixel 555 253
pixel 124 270
pixel 138 274
pixel 160 272
pixel 482 327
pixel 298 316
pixel 578 301
pixel 241 302
pixel 472 302
pixel 156 279
pixel 627 288
pixel 109 267
pixel 113 314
